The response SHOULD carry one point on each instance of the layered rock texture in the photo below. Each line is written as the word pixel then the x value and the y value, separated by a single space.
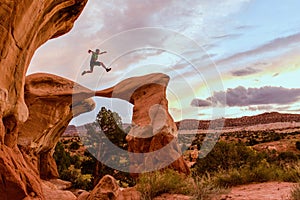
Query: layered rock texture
pixel 52 102
pixel 25 25
pixel 35 111
pixel 108 189
pixel 153 139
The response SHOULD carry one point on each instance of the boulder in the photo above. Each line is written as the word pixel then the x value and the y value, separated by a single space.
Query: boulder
pixel 129 194
pixel 83 196
pixel 51 191
pixel 61 184
pixel 106 189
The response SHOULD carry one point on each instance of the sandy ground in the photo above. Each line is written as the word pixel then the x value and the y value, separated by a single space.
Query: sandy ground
pixel 260 191
pixel 255 191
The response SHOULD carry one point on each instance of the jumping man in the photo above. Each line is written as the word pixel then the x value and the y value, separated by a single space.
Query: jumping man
pixel 94 61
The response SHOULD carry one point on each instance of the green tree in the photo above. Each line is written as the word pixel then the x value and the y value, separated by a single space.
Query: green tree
pixel 107 129
pixel 74 146
pixel 89 163
pixel 62 158
pixel 111 124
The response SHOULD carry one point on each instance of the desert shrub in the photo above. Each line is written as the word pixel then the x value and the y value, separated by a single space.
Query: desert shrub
pixel 88 164
pixel 69 168
pixel 206 188
pixel 261 173
pixel 298 145
pixel 287 156
pixel 84 182
pixel 70 174
pixel 106 128
pixel 75 160
pixel 230 178
pixel 65 141
pixel 295 193
pixel 291 172
pixel 252 142
pixel 74 146
pixel 61 157
pixel 233 164
pixel 274 137
pixel 169 181
pixel 225 156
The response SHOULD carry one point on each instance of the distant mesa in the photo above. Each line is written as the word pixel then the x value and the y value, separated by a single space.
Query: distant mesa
pixel 264 118
pixel 193 124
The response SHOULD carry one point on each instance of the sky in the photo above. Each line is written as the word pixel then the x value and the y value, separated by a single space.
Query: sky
pixel 225 58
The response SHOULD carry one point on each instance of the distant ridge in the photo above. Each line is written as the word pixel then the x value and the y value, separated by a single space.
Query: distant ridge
pixel 192 124
pixel 264 118
pixel 76 131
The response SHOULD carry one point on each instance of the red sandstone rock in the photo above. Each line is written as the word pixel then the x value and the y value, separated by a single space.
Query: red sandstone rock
pixel 51 191
pixel 25 25
pixel 106 189
pixel 129 194
pixel 154 128
pixel 49 99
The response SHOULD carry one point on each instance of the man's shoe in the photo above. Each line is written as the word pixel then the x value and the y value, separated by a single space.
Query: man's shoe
pixel 83 73
pixel 108 69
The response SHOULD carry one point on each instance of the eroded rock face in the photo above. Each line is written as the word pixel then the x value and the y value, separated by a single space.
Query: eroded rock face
pixel 52 102
pixel 154 128
pixel 25 25
pixel 26 148
pixel 18 179
pixel 106 189
pixel 51 191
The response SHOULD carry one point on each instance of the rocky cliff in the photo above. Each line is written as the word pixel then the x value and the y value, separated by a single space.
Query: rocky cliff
pixel 34 111
pixel 25 25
